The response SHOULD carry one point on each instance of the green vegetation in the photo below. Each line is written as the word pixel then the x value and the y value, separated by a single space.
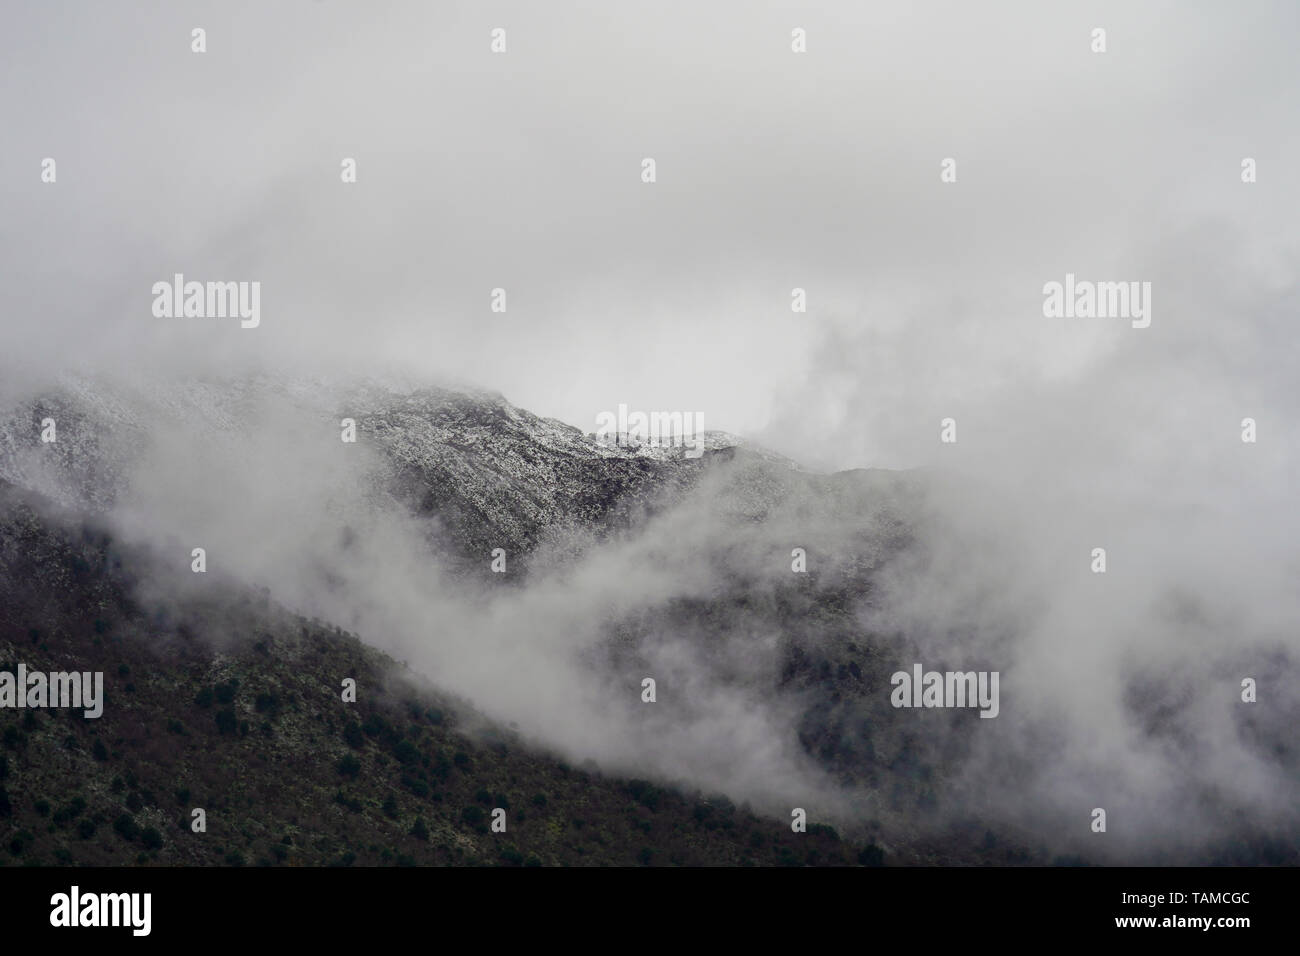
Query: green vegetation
pixel 417 787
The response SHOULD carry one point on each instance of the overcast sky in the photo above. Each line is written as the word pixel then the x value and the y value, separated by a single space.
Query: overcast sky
pixel 775 170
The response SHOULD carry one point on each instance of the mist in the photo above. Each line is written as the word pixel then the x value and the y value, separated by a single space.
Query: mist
pixel 776 172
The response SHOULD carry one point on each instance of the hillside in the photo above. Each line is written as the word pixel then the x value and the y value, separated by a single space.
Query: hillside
pixel 233 705
pixel 750 589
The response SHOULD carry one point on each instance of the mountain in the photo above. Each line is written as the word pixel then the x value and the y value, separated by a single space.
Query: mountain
pixel 532 578
pixel 253 731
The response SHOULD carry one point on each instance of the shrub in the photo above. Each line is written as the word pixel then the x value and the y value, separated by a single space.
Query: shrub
pixel 871 855
pixel 474 816
pixel 353 736
pixel 99 750
pixel 539 800
pixel 406 752
pixel 69 811
pixel 226 692
pixel 441 767
pixel 390 807
pixel 86 829
pixel 644 793
pixel 349 766
pixel 152 838
pixel 417 787
pixel 511 856
pixel 21 841
pixel 822 830
pixel 204 698
pixel 227 723
pixel 419 830
pixel 126 827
